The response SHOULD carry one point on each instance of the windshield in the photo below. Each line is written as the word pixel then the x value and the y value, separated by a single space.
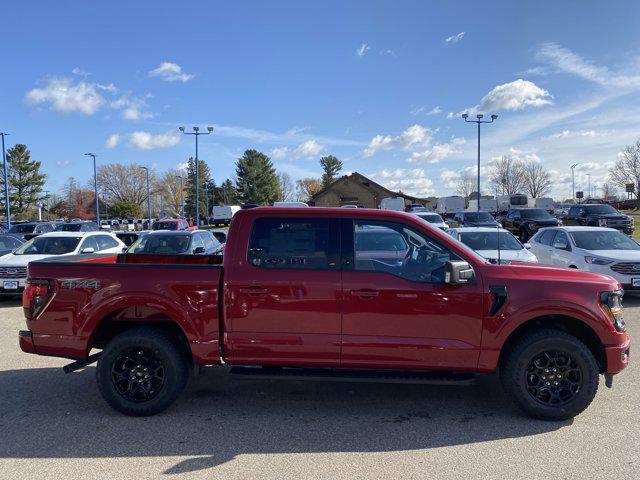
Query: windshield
pixel 387 240
pixel 22 228
pixel 161 244
pixel 49 246
pixel 431 217
pixel 165 226
pixel 8 243
pixel 603 240
pixel 600 209
pixel 535 214
pixel 489 240
pixel 69 227
pixel 478 217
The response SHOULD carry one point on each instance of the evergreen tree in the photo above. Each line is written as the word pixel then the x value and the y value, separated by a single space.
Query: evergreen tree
pixel 25 179
pixel 257 181
pixel 190 191
pixel 226 194
pixel 331 167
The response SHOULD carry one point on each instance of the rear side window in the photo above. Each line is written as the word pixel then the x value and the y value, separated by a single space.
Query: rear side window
pixel 293 243
pixel 105 242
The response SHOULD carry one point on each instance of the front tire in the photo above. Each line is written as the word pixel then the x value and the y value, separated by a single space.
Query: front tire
pixel 550 375
pixel 522 236
pixel 142 371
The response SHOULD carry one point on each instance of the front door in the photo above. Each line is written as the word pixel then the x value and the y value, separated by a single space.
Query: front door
pixel 283 294
pixel 398 312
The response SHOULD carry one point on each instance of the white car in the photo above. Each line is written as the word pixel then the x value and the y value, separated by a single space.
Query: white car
pixel 484 241
pixel 595 249
pixel 432 218
pixel 13 266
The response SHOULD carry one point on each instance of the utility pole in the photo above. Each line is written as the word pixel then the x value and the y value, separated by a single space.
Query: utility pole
pixel 146 169
pixel 95 185
pixel 479 120
pixel 573 182
pixel 7 207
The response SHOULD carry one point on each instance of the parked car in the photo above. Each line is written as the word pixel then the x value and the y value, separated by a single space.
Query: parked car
pixel 172 224
pixel 128 237
pixel 295 294
pixel 8 243
pixel 28 230
pixel 13 266
pixel 599 215
pixel 78 226
pixel 561 210
pixel 594 249
pixel 219 234
pixel 432 218
pixel 525 222
pixel 180 242
pixel 485 242
pixel 474 219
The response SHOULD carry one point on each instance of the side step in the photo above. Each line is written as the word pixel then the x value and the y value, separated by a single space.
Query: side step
pixel 355 375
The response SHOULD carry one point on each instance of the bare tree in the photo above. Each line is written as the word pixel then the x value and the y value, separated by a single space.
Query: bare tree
pixel 537 179
pixel 125 182
pixel 507 175
pixel 465 185
pixel 627 168
pixel 286 187
pixel 307 188
pixel 171 192
pixel 609 190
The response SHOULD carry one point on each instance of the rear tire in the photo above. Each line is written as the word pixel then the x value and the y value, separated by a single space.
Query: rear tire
pixel 550 375
pixel 142 371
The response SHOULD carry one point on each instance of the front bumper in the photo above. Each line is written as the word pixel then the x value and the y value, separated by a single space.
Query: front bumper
pixel 617 356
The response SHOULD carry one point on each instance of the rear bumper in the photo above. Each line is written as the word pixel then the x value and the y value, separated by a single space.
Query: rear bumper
pixel 26 341
pixel 618 356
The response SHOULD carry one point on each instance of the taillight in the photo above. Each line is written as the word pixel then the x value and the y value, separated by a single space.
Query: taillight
pixel 34 296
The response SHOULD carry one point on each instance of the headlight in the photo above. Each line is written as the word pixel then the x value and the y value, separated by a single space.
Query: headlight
pixel 612 302
pixel 560 223
pixel 597 261
pixel 532 226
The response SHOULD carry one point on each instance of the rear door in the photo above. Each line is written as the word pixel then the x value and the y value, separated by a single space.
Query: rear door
pixel 283 293
pixel 543 245
pixel 398 312
pixel 560 249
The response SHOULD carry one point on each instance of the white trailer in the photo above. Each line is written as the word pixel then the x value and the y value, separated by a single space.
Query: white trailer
pixel 546 203
pixel 505 202
pixel 486 205
pixel 389 203
pixel 222 214
pixel 450 205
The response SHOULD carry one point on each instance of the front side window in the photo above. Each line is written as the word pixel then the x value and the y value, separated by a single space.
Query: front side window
pixel 399 250
pixel 161 244
pixel 293 243
pixel 105 242
pixel 603 240
pixel 90 242
pixel 489 240
pixel 546 237
pixel 535 214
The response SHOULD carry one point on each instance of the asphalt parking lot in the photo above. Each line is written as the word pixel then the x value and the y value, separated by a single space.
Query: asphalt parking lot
pixel 54 425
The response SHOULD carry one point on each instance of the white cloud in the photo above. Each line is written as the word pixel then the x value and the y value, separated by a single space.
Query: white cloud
pixel 171 72
pixel 362 50
pixel 515 95
pixel 412 136
pixel 133 108
pixel 573 133
pixel 564 60
pixel 389 52
pixel 279 153
pixel 112 141
pixel 454 38
pixel 63 163
pixel 411 181
pixel 80 72
pixel 435 110
pixel 64 95
pixel 449 178
pixel 148 141
pixel 309 148
pixel 450 115
pixel 437 153
pixel 183 166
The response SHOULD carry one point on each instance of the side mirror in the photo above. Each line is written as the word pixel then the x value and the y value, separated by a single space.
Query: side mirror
pixel 457 272
pixel 527 246
pixel 88 250
pixel 198 250
pixel 561 246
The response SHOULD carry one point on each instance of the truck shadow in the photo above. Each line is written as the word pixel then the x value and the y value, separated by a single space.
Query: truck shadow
pixel 46 414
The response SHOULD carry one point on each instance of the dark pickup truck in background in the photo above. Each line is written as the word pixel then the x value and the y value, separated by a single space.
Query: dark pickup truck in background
pixel 525 222
pixel 599 215
pixel 310 294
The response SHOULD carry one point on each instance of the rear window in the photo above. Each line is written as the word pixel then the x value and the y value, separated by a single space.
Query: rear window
pixel 165 226
pixel 292 243
pixel 69 227
pixel 26 228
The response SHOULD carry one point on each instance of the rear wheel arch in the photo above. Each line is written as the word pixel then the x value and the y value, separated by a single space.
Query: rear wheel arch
pixel 564 323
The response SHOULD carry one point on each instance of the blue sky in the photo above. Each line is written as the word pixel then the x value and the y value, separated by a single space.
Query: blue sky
pixel 380 84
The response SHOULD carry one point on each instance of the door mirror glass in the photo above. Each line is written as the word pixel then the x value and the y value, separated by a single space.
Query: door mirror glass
pixel 560 245
pixel 458 272
pixel 527 246
pixel 88 250
pixel 198 250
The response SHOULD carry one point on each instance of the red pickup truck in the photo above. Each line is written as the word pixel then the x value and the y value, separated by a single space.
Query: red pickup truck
pixel 314 294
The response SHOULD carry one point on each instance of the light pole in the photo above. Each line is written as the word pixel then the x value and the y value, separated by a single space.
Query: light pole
pixel 95 185
pixel 146 169
pixel 196 132
pixel 181 196
pixel 589 185
pixel 479 120
pixel 206 198
pixel 573 182
pixel 7 208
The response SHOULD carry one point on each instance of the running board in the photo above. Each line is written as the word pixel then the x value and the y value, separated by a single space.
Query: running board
pixel 360 375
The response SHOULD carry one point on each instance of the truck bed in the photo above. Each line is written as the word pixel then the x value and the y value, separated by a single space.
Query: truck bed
pixel 85 293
